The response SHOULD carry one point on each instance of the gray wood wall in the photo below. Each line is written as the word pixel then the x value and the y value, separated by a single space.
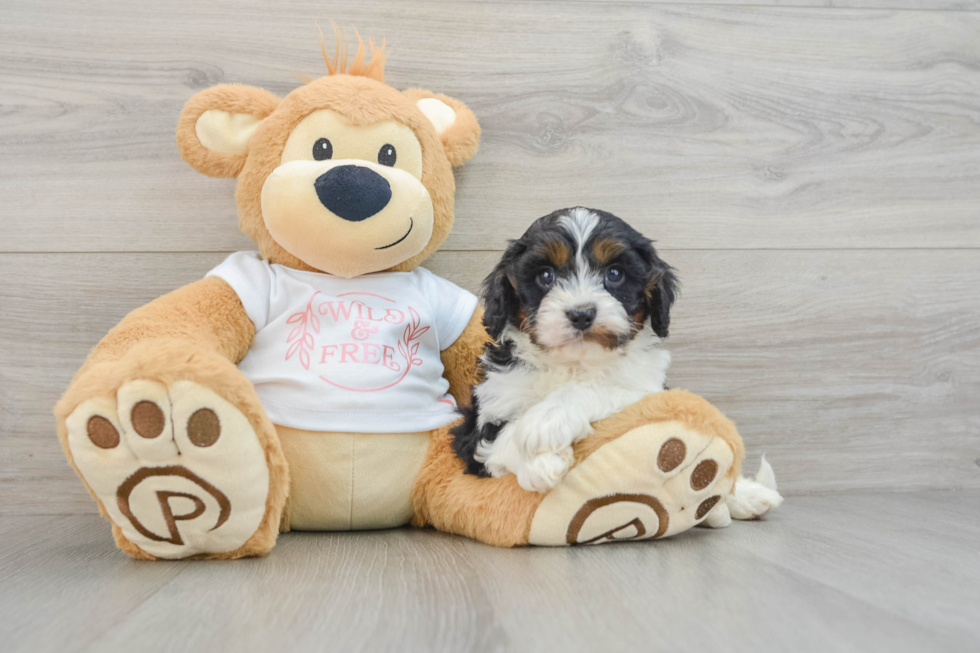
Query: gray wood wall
pixel 813 171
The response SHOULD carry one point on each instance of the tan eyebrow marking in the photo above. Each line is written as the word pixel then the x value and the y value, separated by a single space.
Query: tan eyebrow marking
pixel 557 252
pixel 607 249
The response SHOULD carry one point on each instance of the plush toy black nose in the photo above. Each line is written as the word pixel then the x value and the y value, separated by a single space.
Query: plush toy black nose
pixel 353 192
pixel 581 318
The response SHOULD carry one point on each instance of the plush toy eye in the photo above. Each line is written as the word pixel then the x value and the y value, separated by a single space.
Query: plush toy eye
pixel 387 155
pixel 615 276
pixel 322 150
pixel 546 277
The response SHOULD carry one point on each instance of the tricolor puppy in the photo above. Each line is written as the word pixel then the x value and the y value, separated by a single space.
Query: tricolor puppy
pixel 577 309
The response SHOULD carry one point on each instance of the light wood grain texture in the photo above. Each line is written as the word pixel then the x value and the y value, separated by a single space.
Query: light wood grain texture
pixel 915 5
pixel 715 127
pixel 854 369
pixel 841 573
pixel 49 564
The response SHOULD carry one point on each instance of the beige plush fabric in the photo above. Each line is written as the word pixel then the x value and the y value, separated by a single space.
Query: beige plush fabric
pixel 654 481
pixel 351 481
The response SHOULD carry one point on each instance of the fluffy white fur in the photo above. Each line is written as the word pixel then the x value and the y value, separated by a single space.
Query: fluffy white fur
pixel 550 402
pixel 750 499
pixel 584 289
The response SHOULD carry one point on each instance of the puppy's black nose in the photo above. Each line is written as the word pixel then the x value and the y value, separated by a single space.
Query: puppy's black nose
pixel 581 318
pixel 353 192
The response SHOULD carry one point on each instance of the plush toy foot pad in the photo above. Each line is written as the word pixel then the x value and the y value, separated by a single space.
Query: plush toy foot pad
pixel 179 469
pixel 654 481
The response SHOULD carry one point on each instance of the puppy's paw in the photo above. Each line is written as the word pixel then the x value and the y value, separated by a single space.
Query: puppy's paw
pixel 500 456
pixel 718 517
pixel 754 499
pixel 548 428
pixel 544 471
pixel 496 467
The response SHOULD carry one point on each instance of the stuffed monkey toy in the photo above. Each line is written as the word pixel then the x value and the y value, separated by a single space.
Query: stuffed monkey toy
pixel 311 385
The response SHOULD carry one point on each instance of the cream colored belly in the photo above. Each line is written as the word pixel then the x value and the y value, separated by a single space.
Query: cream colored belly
pixel 350 481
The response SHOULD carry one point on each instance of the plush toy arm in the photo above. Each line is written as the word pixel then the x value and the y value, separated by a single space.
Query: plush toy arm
pixel 460 359
pixel 206 313
pixel 160 398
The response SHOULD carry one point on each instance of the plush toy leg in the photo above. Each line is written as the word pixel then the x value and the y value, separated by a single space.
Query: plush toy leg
pixel 654 470
pixel 172 442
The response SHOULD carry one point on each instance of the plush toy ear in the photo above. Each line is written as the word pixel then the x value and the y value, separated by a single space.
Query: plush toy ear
pixel 216 125
pixel 500 301
pixel 453 121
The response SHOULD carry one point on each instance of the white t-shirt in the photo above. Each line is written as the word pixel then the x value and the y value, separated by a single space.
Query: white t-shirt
pixel 351 355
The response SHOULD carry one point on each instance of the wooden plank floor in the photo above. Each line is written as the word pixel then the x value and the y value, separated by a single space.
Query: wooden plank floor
pixel 860 572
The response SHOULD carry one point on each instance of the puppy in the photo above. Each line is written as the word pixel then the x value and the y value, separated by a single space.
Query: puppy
pixel 577 308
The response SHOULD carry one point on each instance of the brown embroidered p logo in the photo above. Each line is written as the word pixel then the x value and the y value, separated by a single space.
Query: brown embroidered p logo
pixel 163 496
pixel 595 506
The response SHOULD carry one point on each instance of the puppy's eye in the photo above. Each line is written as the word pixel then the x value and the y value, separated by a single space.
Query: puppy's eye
pixel 615 276
pixel 387 155
pixel 322 150
pixel 545 277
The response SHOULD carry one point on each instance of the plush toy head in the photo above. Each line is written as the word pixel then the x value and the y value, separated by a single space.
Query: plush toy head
pixel 344 175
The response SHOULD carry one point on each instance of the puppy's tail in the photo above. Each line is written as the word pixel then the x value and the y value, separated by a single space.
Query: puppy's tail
pixel 753 499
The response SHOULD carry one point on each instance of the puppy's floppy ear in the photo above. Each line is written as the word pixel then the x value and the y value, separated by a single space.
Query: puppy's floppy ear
pixel 216 125
pixel 500 300
pixel 454 123
pixel 661 290
pixel 661 298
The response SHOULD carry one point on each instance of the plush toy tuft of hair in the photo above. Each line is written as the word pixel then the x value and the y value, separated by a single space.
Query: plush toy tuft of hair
pixel 374 69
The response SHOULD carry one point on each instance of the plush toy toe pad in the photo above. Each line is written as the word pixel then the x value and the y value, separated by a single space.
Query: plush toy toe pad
pixel 179 469
pixel 654 481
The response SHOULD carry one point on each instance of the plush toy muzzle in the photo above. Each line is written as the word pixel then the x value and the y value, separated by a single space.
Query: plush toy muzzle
pixel 322 211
